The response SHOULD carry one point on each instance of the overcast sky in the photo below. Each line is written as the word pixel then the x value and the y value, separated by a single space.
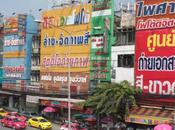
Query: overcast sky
pixel 7 7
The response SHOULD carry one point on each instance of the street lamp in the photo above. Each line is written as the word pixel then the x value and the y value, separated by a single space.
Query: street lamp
pixel 69 82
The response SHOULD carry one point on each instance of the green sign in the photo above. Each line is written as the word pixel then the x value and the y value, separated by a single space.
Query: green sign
pixel 102 40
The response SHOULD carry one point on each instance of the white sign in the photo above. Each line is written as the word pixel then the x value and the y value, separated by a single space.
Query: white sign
pixel 58 78
pixel 97 42
pixel 32 99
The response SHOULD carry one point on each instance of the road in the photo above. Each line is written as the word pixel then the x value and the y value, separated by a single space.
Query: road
pixel 55 127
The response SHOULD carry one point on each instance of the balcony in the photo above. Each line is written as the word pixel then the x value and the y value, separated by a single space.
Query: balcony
pixel 34 83
pixel 35 50
pixel 35 67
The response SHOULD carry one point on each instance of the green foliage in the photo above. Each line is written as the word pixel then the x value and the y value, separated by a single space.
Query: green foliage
pixel 113 99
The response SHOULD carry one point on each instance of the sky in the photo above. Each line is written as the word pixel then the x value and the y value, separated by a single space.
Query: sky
pixel 7 7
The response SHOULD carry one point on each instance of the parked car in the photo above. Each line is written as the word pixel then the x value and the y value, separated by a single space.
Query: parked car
pixel 20 117
pixel 3 112
pixel 29 114
pixel 74 126
pixel 13 122
pixel 39 122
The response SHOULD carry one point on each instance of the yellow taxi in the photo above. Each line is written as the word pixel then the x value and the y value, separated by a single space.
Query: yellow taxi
pixel 39 122
pixel 3 112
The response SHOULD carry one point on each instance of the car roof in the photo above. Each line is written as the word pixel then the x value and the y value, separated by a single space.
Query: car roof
pixel 11 117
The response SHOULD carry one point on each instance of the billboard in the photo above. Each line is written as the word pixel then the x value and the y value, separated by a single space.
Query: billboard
pixel 102 38
pixel 14 53
pixel 155 47
pixel 65 40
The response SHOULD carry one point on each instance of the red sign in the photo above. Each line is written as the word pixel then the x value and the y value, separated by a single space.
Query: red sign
pixel 155 49
pixel 155 66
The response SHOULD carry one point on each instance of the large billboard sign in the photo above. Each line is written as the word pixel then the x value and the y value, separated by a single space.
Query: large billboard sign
pixel 14 53
pixel 102 38
pixel 65 41
pixel 155 47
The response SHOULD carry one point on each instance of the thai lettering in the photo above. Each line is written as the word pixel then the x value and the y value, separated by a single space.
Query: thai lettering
pixel 161 87
pixel 160 40
pixel 154 63
pixel 154 9
pixel 68 40
pixel 57 61
pixel 81 16
pixel 156 86
pixel 12 69
pixel 57 78
pixel 155 23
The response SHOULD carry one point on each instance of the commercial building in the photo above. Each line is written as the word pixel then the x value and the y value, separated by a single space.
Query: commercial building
pixel 1 49
pixel 18 32
pixel 123 50
pixel 154 64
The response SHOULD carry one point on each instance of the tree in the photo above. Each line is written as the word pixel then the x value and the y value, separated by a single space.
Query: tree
pixel 114 99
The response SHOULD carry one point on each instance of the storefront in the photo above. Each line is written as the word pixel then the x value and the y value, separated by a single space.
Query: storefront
pixel 144 118
pixel 60 106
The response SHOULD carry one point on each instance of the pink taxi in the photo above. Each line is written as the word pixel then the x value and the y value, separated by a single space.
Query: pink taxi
pixel 74 126
pixel 13 122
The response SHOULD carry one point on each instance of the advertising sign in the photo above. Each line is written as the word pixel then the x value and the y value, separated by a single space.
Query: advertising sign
pixel 11 25
pixel 155 47
pixel 102 35
pixel 65 40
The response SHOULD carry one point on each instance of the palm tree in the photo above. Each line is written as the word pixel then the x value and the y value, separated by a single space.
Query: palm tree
pixel 114 99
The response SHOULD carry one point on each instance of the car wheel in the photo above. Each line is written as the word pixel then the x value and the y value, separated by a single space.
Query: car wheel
pixel 40 128
pixel 29 124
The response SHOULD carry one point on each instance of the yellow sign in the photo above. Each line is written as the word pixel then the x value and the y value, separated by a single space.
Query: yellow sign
pixel 65 39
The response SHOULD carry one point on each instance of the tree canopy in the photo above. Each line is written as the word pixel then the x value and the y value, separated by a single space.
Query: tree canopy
pixel 113 99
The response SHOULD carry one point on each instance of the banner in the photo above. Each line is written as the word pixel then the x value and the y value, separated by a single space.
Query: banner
pixel 155 47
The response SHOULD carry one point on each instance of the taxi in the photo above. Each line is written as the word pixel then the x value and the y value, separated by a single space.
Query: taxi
pixel 39 122
pixel 3 112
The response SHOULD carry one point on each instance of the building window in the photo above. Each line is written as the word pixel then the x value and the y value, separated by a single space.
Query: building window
pixel 126 60
pixel 125 36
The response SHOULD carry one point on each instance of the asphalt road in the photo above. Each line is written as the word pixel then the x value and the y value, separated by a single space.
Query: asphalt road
pixel 55 127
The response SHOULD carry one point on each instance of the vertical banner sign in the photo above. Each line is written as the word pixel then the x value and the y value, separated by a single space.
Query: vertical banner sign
pixel 102 35
pixel 155 48
pixel 14 53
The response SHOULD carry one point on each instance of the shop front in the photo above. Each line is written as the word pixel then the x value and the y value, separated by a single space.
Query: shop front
pixel 59 107
pixel 144 118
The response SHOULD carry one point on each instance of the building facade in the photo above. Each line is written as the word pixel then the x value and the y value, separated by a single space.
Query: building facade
pixel 18 32
pixel 123 51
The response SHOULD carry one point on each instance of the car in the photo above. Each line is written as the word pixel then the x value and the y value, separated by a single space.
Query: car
pixel 40 122
pixel 29 114
pixel 3 112
pixel 13 122
pixel 20 117
pixel 74 126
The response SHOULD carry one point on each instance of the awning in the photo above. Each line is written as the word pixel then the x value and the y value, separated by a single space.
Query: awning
pixel 9 93
pixel 150 116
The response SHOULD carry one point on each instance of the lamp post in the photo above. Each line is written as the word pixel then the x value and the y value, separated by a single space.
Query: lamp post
pixel 69 81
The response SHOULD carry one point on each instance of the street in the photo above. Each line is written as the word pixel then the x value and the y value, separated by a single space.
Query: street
pixel 55 127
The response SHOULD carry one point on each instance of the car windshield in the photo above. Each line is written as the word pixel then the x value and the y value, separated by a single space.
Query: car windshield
pixel 34 114
pixel 43 120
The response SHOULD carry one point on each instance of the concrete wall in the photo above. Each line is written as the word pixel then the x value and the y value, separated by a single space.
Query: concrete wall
pixel 121 72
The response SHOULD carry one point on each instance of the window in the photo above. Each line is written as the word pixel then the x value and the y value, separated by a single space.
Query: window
pixel 34 119
pixel 125 36
pixel 126 61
